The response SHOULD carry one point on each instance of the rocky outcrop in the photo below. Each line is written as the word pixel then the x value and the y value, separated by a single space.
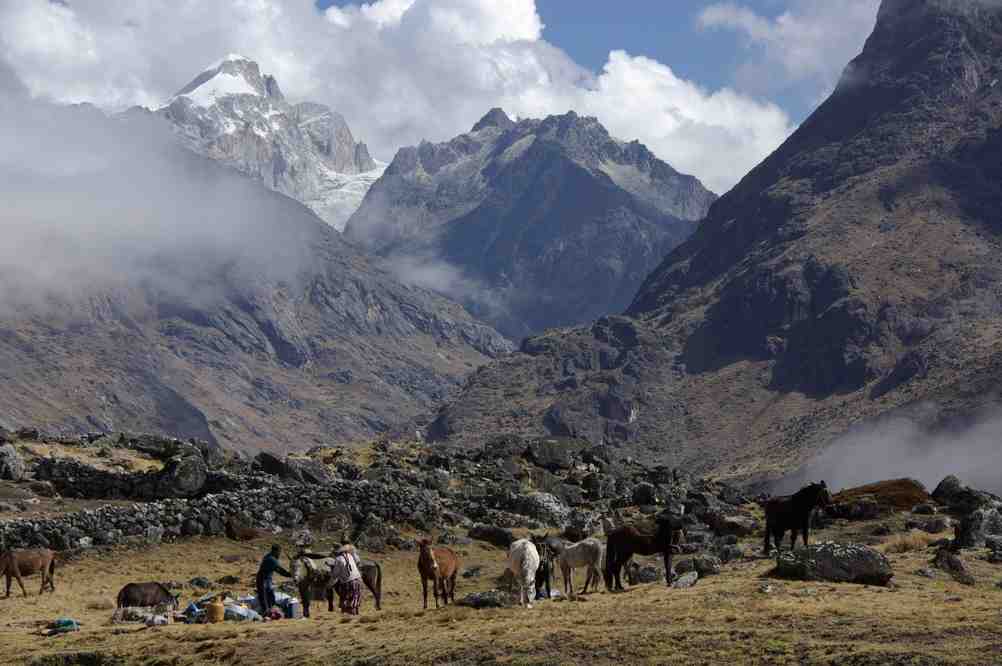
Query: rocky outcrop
pixel 234 115
pixel 552 220
pixel 822 274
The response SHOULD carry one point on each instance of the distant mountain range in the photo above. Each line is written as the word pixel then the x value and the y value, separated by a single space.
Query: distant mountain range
pixel 548 222
pixel 854 275
pixel 236 116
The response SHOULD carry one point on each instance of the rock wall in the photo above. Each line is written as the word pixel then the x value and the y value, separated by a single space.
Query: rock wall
pixel 287 506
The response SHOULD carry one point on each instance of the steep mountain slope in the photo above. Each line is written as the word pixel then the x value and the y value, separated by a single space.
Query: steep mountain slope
pixel 855 273
pixel 188 299
pixel 553 221
pixel 234 115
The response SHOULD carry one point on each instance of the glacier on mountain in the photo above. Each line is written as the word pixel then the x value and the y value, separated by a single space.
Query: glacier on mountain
pixel 233 114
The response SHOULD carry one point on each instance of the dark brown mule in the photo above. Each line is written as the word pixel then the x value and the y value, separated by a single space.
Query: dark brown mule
pixel 793 512
pixel 440 566
pixel 625 542
pixel 18 563
pixel 146 594
pixel 241 533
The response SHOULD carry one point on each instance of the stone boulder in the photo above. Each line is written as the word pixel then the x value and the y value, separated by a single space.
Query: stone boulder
pixel 835 562
pixel 496 536
pixel 644 494
pixel 948 561
pixel 581 524
pixel 959 498
pixel 545 508
pixel 486 599
pixel 306 471
pixel 637 574
pixel 183 476
pixel 978 525
pixel 704 565
pixel 374 534
pixel 556 453
pixel 685 580
pixel 12 467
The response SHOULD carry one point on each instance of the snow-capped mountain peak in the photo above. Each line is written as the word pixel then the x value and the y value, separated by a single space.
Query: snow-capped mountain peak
pixel 233 113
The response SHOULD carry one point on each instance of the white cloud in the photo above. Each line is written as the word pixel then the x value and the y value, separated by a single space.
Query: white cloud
pixel 809 43
pixel 399 70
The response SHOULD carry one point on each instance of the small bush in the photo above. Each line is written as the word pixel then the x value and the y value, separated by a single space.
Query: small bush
pixel 906 543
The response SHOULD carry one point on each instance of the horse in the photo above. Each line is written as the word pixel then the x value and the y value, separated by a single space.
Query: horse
pixel 523 562
pixel 146 594
pixel 793 512
pixel 242 533
pixel 18 563
pixel 440 566
pixel 586 553
pixel 625 542
pixel 311 573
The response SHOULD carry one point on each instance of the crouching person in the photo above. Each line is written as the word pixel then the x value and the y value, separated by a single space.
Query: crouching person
pixel 347 579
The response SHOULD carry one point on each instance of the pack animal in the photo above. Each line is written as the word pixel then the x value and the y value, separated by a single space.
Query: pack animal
pixel 440 566
pixel 586 553
pixel 19 563
pixel 146 594
pixel 312 575
pixel 793 512
pixel 523 562
pixel 625 542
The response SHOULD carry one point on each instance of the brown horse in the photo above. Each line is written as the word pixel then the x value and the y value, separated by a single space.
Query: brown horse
pixel 440 566
pixel 18 563
pixel 625 542
pixel 793 512
pixel 241 533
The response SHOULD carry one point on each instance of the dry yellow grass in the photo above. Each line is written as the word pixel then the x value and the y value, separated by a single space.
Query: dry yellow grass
pixel 910 541
pixel 727 619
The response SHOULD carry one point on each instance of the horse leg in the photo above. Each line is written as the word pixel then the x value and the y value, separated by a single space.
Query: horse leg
pixel 20 582
pixel 667 558
pixel 767 546
pixel 329 592
pixel 435 585
pixel 807 527
pixel 424 587
pixel 452 585
pixel 793 538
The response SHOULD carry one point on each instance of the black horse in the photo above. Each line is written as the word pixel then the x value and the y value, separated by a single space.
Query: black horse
pixel 793 512
pixel 625 542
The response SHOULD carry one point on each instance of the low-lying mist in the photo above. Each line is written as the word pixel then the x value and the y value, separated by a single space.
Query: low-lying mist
pixel 92 203
pixel 899 446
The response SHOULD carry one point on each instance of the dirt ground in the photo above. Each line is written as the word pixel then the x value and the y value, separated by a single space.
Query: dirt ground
pixel 741 616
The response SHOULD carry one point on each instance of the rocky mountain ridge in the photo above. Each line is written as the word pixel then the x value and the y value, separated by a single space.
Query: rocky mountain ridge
pixel 233 114
pixel 850 277
pixel 553 220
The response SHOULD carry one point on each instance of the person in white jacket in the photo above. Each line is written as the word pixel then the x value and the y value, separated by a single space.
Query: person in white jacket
pixel 348 579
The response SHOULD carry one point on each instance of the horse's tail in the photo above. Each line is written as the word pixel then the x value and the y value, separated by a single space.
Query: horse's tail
pixel 120 599
pixel 378 593
pixel 610 557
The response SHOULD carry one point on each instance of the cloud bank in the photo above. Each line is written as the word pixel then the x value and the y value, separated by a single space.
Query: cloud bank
pixel 96 205
pixel 399 70
pixel 810 42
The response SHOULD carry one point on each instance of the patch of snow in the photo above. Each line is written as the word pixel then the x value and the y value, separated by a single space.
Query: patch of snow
pixel 219 86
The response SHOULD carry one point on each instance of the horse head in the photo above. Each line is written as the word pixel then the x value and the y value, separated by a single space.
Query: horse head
pixel 821 495
pixel 427 553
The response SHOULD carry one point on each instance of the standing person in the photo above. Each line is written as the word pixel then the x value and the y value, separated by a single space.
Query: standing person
pixel 265 584
pixel 347 579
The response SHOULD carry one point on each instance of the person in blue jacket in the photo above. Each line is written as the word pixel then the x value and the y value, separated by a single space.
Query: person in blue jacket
pixel 265 585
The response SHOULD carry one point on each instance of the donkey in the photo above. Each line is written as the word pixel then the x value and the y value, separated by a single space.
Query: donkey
pixel 523 561
pixel 793 512
pixel 588 554
pixel 625 542
pixel 312 575
pixel 18 563
pixel 440 566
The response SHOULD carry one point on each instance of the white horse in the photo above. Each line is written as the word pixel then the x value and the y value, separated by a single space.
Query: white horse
pixel 587 553
pixel 523 560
